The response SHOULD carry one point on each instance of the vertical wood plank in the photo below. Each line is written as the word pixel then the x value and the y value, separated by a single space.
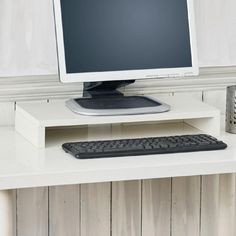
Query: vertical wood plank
pixel 218 205
pixel 186 206
pixel 32 212
pixel 95 209
pixel 14 199
pixel 64 210
pixel 216 31
pixel 126 208
pixel 156 207
pixel 7 213
pixel 7 113
pixel 210 205
pixel 227 205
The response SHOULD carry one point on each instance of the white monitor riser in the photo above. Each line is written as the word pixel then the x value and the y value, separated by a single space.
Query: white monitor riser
pixel 33 121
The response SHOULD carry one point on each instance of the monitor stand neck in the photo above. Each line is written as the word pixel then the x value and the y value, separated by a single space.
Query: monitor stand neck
pixel 104 88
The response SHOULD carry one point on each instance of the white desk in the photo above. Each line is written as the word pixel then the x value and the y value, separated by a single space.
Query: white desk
pixel 23 165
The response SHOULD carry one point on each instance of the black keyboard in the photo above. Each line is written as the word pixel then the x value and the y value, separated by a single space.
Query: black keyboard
pixel 143 146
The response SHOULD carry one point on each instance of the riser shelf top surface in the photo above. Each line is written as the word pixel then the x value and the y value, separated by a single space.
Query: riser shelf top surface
pixel 57 114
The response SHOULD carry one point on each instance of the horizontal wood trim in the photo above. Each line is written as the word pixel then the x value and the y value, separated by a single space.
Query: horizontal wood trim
pixel 49 87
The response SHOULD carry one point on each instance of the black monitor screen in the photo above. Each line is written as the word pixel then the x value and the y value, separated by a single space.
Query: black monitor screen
pixel 113 35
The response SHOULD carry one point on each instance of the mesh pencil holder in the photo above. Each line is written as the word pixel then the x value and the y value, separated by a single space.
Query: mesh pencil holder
pixel 230 123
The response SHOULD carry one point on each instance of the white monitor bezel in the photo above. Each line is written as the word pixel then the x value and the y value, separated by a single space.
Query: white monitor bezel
pixel 123 74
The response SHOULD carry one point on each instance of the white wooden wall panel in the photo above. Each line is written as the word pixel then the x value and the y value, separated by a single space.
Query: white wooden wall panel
pixel 146 209
pixel 210 205
pixel 7 113
pixel 95 209
pixel 8 213
pixel 216 32
pixel 14 211
pixel 218 205
pixel 126 208
pixel 156 207
pixel 227 205
pixel 32 212
pixel 186 206
pixel 27 38
pixel 64 211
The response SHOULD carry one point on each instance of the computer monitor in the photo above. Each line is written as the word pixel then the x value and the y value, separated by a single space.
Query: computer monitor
pixel 112 42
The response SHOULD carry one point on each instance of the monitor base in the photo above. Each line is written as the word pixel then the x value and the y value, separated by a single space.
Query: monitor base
pixel 103 99
pixel 116 105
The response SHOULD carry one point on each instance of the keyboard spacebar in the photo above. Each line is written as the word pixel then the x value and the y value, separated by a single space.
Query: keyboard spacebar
pixel 119 153
pixel 136 148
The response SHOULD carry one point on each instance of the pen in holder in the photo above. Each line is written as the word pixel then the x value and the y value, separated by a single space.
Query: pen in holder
pixel 230 123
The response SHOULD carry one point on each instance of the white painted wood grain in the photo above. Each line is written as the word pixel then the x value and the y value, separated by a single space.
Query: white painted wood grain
pixel 7 213
pixel 64 210
pixel 27 38
pixel 227 197
pixel 156 207
pixel 218 205
pixel 210 205
pixel 186 206
pixel 7 113
pixel 216 32
pixel 95 209
pixel 126 208
pixel 14 204
pixel 32 212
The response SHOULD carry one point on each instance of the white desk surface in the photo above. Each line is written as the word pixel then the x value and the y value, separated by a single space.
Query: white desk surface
pixel 23 165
